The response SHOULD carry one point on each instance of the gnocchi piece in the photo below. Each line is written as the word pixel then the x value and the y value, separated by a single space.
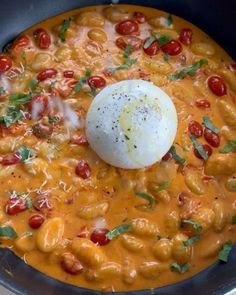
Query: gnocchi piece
pixel 159 79
pixel 194 183
pixel 63 53
pixel 202 48
pixel 228 133
pixel 144 227
pixel 213 246
pixel 50 234
pixel 204 217
pixel 221 164
pixel 35 166
pixel 93 210
pixel 41 61
pixel 25 243
pixel 97 35
pixel 151 269
pixel 229 77
pixel 90 19
pixel 172 222
pixel 180 252
pixel 5 171
pixel 109 269
pixel 131 243
pixel 87 252
pixel 162 249
pixel 228 112
pixel 166 32
pixel 157 66
pixel 129 272
pixel 116 14
pixel 221 216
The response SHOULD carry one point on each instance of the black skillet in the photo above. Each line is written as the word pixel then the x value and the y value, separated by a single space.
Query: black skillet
pixel 218 19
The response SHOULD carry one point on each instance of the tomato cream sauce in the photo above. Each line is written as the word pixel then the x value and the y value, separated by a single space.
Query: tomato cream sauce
pixel 74 217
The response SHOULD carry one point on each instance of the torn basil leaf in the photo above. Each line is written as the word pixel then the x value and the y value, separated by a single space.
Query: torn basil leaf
pixel 65 26
pixel 19 98
pixel 25 153
pixel 176 157
pixel 7 232
pixel 225 251
pixel 128 50
pixel 151 201
pixel 228 148
pixel 33 83
pixel 162 187
pixel 13 115
pixel 118 230
pixel 169 20
pixel 191 240
pixel 180 268
pixel 82 80
pixel 199 147
pixel 193 223
pixel 208 124
pixel 127 64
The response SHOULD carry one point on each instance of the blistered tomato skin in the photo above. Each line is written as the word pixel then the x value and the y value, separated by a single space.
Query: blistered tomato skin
pixel 212 138
pixel 82 169
pixel 206 148
pixel 5 63
pixel 217 85
pixel 172 48
pixel 46 74
pixel 203 103
pixel 96 82
pixel 186 36
pixel 98 236
pixel 15 206
pixel 139 17
pixel 36 220
pixel 134 41
pixel 42 38
pixel 152 49
pixel 127 27
pixel 195 129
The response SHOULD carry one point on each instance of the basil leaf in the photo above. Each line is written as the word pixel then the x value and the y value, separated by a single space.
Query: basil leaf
pixel 180 268
pixel 208 124
pixel 33 83
pixel 119 230
pixel 127 64
pixel 64 28
pixel 224 252
pixel 169 20
pixel 176 156
pixel 199 147
pixel 162 39
pixel 128 50
pixel 228 148
pixel 82 80
pixel 194 224
pixel 8 232
pixel 2 91
pixel 13 115
pixel 19 98
pixel 148 42
pixel 162 187
pixel 191 240
pixel 151 200
pixel 28 202
pixel 191 71
pixel 166 57
pixel 25 153
pixel 234 219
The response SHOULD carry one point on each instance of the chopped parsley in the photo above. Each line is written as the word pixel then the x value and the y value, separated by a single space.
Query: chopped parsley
pixel 162 187
pixel 191 240
pixel 228 148
pixel 65 26
pixel 127 64
pixel 176 157
pixel 180 268
pixel 24 153
pixel 169 20
pixel 8 232
pixel 19 98
pixel 151 201
pixel 193 223
pixel 191 71
pixel 234 219
pixel 119 230
pixel 208 124
pixel 199 147
pixel 128 50
pixel 82 80
pixel 224 252
pixel 13 115
pixel 162 40
pixel 2 91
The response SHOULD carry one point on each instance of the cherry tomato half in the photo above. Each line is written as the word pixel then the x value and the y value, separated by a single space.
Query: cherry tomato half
pixel 134 41
pixel 212 138
pixel 96 82
pixel 173 47
pixel 20 43
pixel 5 63
pixel 42 38
pixel 203 103
pixel 68 74
pixel 127 27
pixel 206 148
pixel 98 236
pixel 15 206
pixel 82 169
pixel 186 36
pixel 11 159
pixel 167 157
pixel 35 221
pixel 139 17
pixel 48 73
pixel 195 128
pixel 217 85
pixel 152 49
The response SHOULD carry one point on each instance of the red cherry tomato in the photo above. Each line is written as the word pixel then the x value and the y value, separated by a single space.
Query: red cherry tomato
pixel 5 63
pixel 98 236
pixel 186 36
pixel 36 220
pixel 48 73
pixel 11 159
pixel 203 103
pixel 68 74
pixel 15 206
pixel 71 264
pixel 79 140
pixel 41 130
pixel 173 47
pixel 152 49
pixel 167 157
pixel 195 128
pixel 217 85
pixel 38 106
pixel 21 42
pixel 206 148
pixel 42 202
pixel 96 82
pixel 42 38
pixel 82 169
pixel 212 138
pixel 139 17
pixel 127 27
pixel 134 41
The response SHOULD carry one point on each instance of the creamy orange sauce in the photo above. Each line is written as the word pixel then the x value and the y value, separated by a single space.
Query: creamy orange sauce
pixel 72 204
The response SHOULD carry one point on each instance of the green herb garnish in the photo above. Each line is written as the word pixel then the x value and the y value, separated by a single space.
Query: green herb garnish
pixel 162 40
pixel 224 252
pixel 228 148
pixel 33 83
pixel 194 224
pixel 169 20
pixel 180 268
pixel 127 64
pixel 64 28
pixel 199 147
pixel 19 98
pixel 25 153
pixel 82 80
pixel 119 230
pixel 162 187
pixel 28 202
pixel 191 71
pixel 2 91
pixel 13 115
pixel 151 201
pixel 128 50
pixel 8 232
pixel 191 240
pixel 166 57
pixel 208 124
pixel 234 219
pixel 176 156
